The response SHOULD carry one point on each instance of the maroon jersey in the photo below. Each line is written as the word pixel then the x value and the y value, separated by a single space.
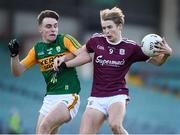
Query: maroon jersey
pixel 111 63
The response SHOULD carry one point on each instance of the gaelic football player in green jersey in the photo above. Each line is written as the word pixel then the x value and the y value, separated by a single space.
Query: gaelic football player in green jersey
pixel 62 101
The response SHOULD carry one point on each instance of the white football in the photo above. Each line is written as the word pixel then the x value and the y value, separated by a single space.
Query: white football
pixel 148 43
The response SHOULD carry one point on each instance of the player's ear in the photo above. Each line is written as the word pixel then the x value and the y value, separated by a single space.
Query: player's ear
pixel 40 29
pixel 120 26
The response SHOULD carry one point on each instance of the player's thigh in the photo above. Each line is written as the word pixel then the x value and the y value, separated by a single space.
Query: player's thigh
pixel 59 115
pixel 116 112
pixel 40 119
pixel 91 121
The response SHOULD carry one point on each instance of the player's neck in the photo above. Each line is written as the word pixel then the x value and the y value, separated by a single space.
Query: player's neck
pixel 115 42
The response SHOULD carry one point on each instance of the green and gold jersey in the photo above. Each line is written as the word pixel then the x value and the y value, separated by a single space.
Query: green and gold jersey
pixel 44 54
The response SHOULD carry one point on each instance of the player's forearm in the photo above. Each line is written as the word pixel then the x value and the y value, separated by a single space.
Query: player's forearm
pixel 68 57
pixel 16 67
pixel 163 59
pixel 159 60
pixel 79 60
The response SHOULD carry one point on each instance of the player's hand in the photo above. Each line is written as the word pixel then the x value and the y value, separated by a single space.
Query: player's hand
pixel 62 67
pixel 55 73
pixel 57 62
pixel 13 47
pixel 164 48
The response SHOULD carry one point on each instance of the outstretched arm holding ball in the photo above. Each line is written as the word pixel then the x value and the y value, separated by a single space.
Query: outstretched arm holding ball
pixel 157 48
pixel 163 51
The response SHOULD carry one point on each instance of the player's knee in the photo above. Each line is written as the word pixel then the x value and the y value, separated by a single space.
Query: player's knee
pixel 68 119
pixel 44 127
pixel 116 127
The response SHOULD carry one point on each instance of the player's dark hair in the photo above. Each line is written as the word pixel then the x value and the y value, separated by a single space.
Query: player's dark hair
pixel 47 13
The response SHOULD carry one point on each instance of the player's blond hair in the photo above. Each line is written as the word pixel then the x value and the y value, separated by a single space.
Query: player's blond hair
pixel 115 14
pixel 47 13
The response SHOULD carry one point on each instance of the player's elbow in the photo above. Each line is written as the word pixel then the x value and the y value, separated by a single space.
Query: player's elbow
pixel 16 74
pixel 89 59
pixel 17 70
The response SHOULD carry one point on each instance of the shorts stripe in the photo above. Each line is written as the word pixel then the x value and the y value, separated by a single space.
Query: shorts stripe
pixel 71 106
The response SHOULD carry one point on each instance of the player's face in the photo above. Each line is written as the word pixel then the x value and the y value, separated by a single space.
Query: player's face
pixel 49 29
pixel 111 30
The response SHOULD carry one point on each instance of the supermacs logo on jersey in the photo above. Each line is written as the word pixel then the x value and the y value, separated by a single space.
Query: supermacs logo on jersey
pixel 113 63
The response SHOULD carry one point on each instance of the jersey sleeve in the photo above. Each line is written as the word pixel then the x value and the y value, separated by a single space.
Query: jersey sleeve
pixel 138 55
pixel 90 45
pixel 30 59
pixel 71 43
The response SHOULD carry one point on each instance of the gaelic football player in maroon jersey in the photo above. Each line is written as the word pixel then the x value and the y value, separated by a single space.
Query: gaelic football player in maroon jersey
pixel 113 56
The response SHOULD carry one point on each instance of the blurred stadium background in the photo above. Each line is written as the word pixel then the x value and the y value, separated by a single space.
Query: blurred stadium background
pixel 155 91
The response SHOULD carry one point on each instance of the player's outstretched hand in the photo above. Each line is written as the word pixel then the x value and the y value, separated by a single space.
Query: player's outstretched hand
pixel 62 67
pixel 13 47
pixel 164 48
pixel 59 71
pixel 57 62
